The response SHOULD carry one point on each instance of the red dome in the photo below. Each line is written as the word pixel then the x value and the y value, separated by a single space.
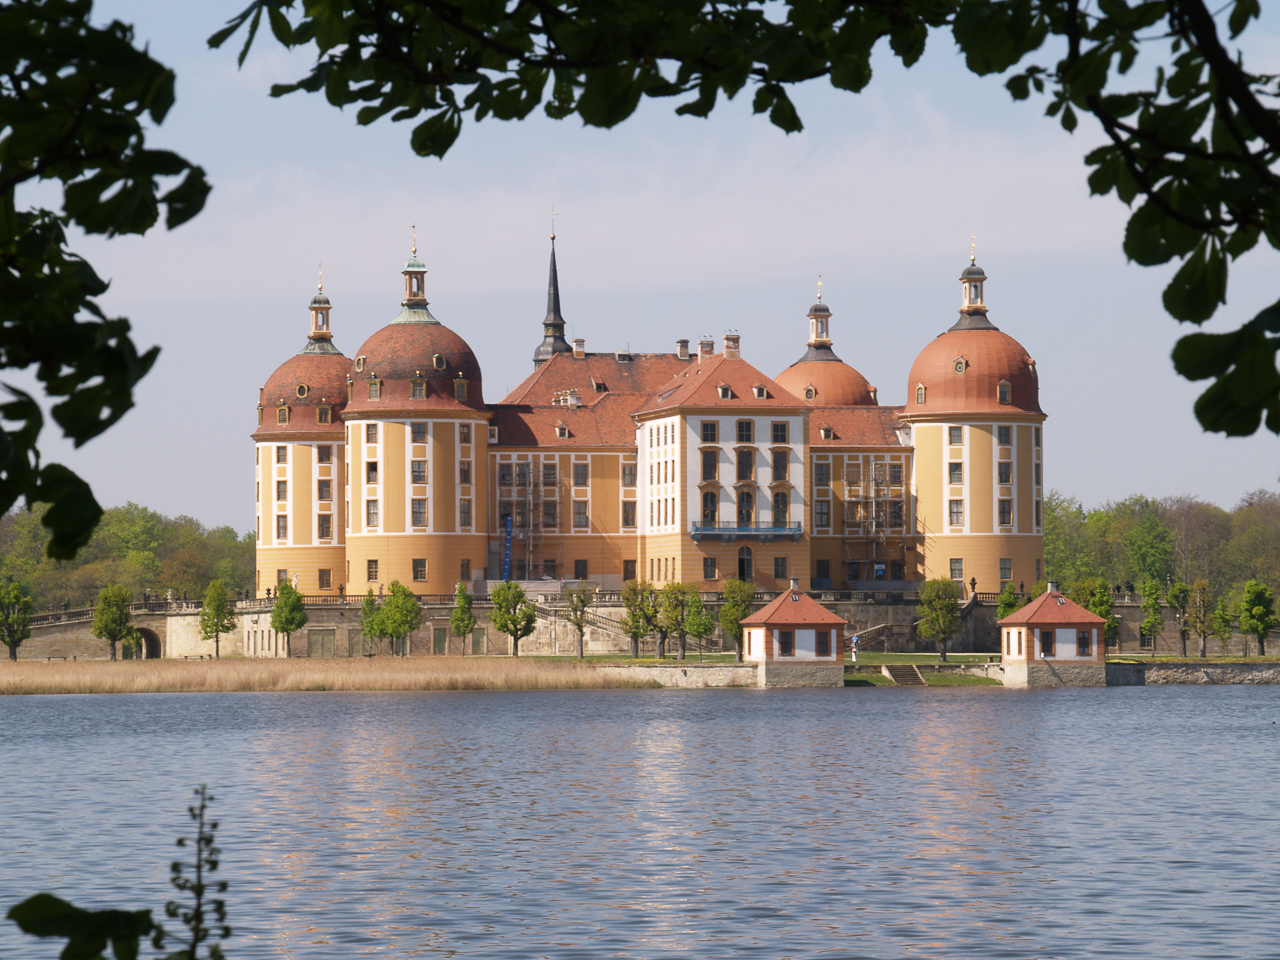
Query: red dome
pixel 973 368
pixel 302 384
pixel 404 351
pixel 834 383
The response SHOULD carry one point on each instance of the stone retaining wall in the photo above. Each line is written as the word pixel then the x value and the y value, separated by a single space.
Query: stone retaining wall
pixel 686 675
pixel 1142 674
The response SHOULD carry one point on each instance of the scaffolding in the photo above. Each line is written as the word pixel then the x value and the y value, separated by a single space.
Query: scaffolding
pixel 867 494
pixel 530 488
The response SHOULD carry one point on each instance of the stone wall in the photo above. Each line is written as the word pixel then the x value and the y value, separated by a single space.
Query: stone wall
pixel 686 675
pixel 1141 674
pixel 775 674
pixel 1044 673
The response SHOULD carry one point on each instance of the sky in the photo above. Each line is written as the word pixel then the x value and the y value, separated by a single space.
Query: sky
pixel 667 227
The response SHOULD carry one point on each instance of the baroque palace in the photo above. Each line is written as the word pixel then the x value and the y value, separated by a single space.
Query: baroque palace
pixel 691 465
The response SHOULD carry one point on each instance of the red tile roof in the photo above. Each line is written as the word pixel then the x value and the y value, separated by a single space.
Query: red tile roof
pixel 793 608
pixel 641 375
pixel 855 427
pixel 1051 608
pixel 606 423
pixel 698 386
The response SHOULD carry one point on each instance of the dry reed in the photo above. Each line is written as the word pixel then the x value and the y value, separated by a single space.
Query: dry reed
pixel 241 676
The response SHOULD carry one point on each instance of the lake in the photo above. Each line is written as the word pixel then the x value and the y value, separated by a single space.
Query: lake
pixel 861 823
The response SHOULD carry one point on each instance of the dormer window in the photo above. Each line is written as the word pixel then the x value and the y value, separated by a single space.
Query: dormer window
pixel 323 415
pixel 418 389
pixel 359 364
pixel 599 386
pixel 493 434
pixel 961 364
pixel 438 362
pixel 725 392
pixel 1004 392
pixel 460 389
pixel 827 433
pixel 759 391
pixel 562 431
pixel 282 415
pixel 875 395
pixel 919 393
pixel 301 391
pixel 375 390
pixel 810 393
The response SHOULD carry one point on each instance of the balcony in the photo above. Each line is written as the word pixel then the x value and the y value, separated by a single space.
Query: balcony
pixel 747 531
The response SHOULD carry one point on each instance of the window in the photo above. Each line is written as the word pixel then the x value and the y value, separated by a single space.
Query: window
pixel 781 460
pixel 322 415
pixel 746 431
pixel 1004 436
pixel 955 472
pixel 579 474
pixel 759 391
pixel 324 489
pixel 548 474
pixel 781 508
pixel 746 509
pixel 282 415
pixel 779 568
pixel 438 361
pixel 1046 643
pixel 746 567
pixel 326 579
pixel 371 471
pixel 464 436
pixel 822 569
pixel 628 570
pixel 822 474
pixel 375 390
pixel 628 513
pixel 1006 569
pixel 371 513
pixel 1035 436
pixel 746 464
pixel 372 571
pixel 522 514
pixel 580 515
pixel 418 512
pixel 920 394
pixel 896 513
pixel 459 389
pixel 710 431
pixel 282 454
pixel 708 568
pixel 822 513
pixel 579 569
pixel 282 575
pixel 710 507
pixel 522 474
pixel 282 490
pixel 324 526
pixel 1037 518
pixel 779 433
pixel 464 570
pixel 895 474
pixel 464 471
pixel 1003 393
pixel 725 392
pixel 370 433
pixel 957 568
pixel 710 460
pixel 493 434
pixel 1004 472
pixel 549 514
pixel 852 568
pixel 464 512
pixel 786 643
pixel 955 435
pixel 419 570
pixel 505 474
pixel 418 390
pixel 282 527
pixel 324 454
pixel 1006 513
pixel 418 432
pixel 809 392
pixel 1084 643
pixel 822 643
pixel 628 474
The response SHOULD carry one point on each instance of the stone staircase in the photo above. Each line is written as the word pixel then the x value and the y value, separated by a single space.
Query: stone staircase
pixel 903 674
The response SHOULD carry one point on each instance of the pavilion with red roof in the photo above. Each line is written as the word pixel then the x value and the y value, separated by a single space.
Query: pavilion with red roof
pixel 796 641
pixel 1053 641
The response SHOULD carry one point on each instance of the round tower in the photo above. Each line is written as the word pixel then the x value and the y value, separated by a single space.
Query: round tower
pixel 973 407
pixel 820 377
pixel 417 431
pixel 300 465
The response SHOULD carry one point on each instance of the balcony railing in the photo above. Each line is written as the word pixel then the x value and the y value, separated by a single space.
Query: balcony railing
pixel 747 531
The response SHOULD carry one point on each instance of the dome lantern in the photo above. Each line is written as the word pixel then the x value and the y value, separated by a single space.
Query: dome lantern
pixel 320 307
pixel 415 272
pixel 820 321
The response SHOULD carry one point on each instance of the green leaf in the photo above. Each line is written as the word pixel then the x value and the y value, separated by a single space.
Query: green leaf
pixel 1241 14
pixel 1200 355
pixel 435 135
pixel 1199 285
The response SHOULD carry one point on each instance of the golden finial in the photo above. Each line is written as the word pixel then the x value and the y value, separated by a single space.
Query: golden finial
pixel 553 223
pixel 819 288
pixel 320 284
pixel 973 248
pixel 415 239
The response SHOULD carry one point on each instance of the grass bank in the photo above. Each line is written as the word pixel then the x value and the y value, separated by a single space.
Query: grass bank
pixel 274 676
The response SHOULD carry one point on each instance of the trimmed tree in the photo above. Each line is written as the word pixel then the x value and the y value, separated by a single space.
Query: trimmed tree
pixel 1008 601
pixel 371 620
pixel 640 612
pixel 15 616
pixel 1200 612
pixel 462 621
pixel 1224 624
pixel 111 616
pixel 577 601
pixel 1152 613
pixel 288 614
pixel 399 616
pixel 513 613
pixel 739 596
pixel 1178 596
pixel 216 616
pixel 938 612
pixel 681 615
pixel 1258 613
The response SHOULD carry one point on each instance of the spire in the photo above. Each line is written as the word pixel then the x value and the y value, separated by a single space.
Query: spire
pixel 414 305
pixel 553 340
pixel 320 337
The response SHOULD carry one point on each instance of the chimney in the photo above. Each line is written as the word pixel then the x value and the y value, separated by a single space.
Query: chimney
pixel 731 348
pixel 574 398
pixel 795 583
pixel 682 349
pixel 705 349
pixel 1053 586
pixel 579 348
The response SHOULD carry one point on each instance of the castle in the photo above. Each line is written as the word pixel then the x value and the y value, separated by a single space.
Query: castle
pixel 691 466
